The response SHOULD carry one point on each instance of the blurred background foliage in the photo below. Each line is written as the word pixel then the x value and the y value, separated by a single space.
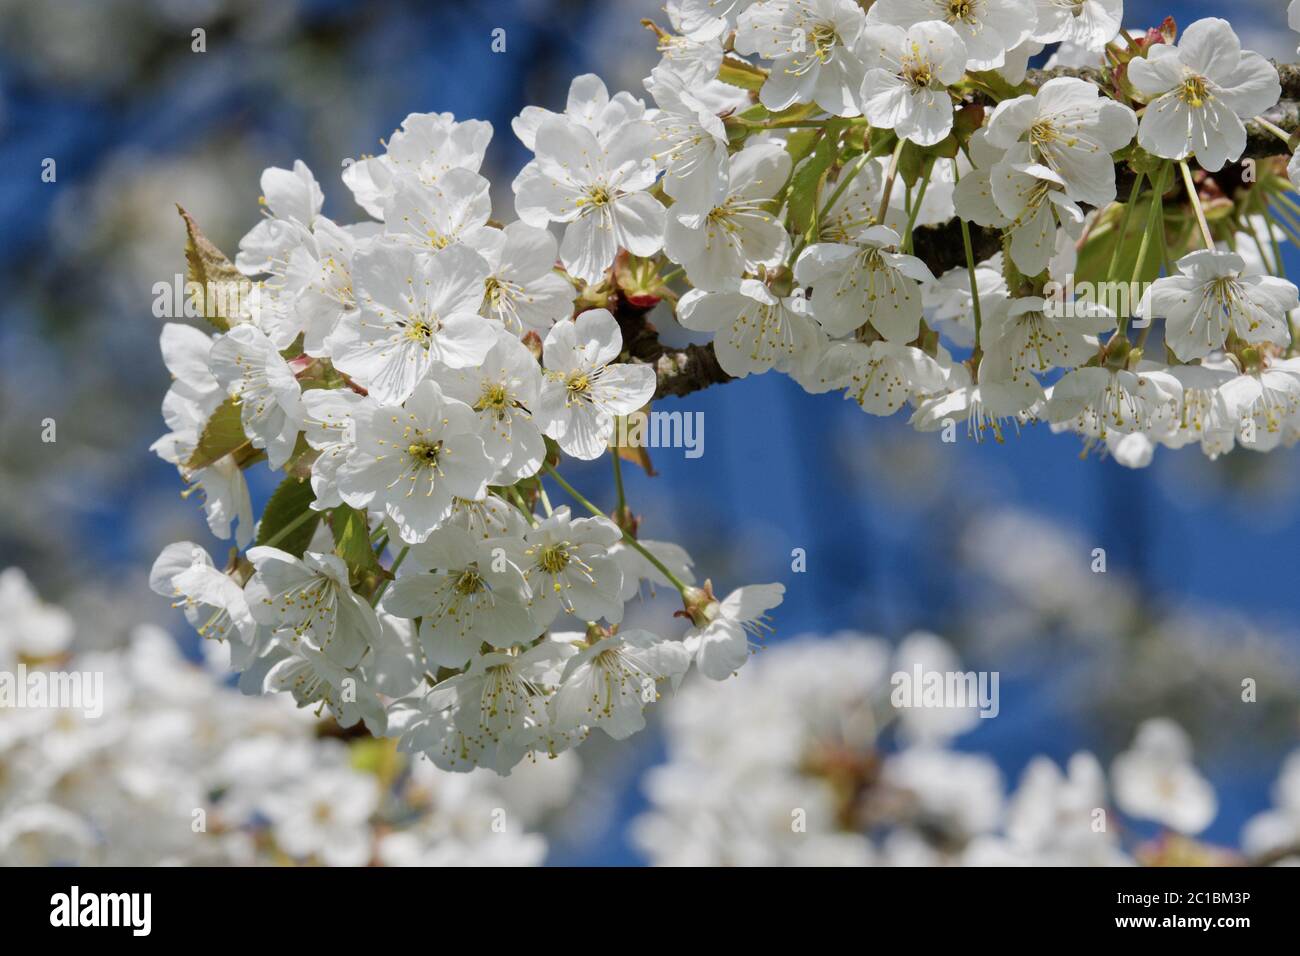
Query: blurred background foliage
pixel 986 544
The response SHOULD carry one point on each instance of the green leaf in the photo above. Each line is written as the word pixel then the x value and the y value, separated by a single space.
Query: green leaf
pixel 800 143
pixel 288 521
pixel 212 281
pixel 992 81
pixel 946 148
pixel 223 434
pixel 805 184
pixel 352 542
pixel 914 161
pixel 742 74
pixel 1095 256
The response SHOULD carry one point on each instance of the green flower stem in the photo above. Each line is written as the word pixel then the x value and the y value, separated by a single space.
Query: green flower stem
pixel 916 207
pixel 516 499
pixel 1154 222
pixel 1276 130
pixel 1129 206
pixel 618 483
pixel 889 180
pixel 1276 264
pixel 848 177
pixel 577 496
pixel 291 527
pixel 1166 264
pixel 1196 204
pixel 790 124
pixel 978 353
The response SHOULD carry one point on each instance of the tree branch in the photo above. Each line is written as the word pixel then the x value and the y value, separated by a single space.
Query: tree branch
pixel 680 371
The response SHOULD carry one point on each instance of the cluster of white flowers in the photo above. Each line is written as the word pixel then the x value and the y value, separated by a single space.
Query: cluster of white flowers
pixel 421 375
pixel 840 303
pixel 172 767
pixel 806 760
pixel 408 376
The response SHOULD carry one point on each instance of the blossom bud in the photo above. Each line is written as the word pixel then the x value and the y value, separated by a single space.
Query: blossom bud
pixel 699 605
pixel 638 281
pixel 626 520
pixel 1117 352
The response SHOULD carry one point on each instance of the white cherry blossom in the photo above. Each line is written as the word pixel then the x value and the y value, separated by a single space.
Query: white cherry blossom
pixel 706 19
pixel 1155 780
pixel 1200 92
pixel 413 462
pixel 292 201
pixel 1101 400
pixel 1034 200
pixel 522 290
pixel 312 679
pixel 1071 129
pixel 332 419
pixel 596 189
pixel 429 218
pixel 814 46
pixel 585 389
pixel 719 641
pixel 1259 403
pixel 568 568
pixel 695 59
pixel 503 390
pixel 425 147
pixel 692 144
pixel 308 600
pixel 500 701
pixel 988 28
pixel 739 233
pixel 1211 297
pixel 866 281
pixel 996 403
pixel 608 684
pixel 881 376
pixel 251 370
pixel 318 280
pixel 590 106
pixel 1089 24
pixel 1036 335
pixel 214 604
pixel 467 593
pixel 908 74
pixel 972 197
pixel 415 311
pixel 754 330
